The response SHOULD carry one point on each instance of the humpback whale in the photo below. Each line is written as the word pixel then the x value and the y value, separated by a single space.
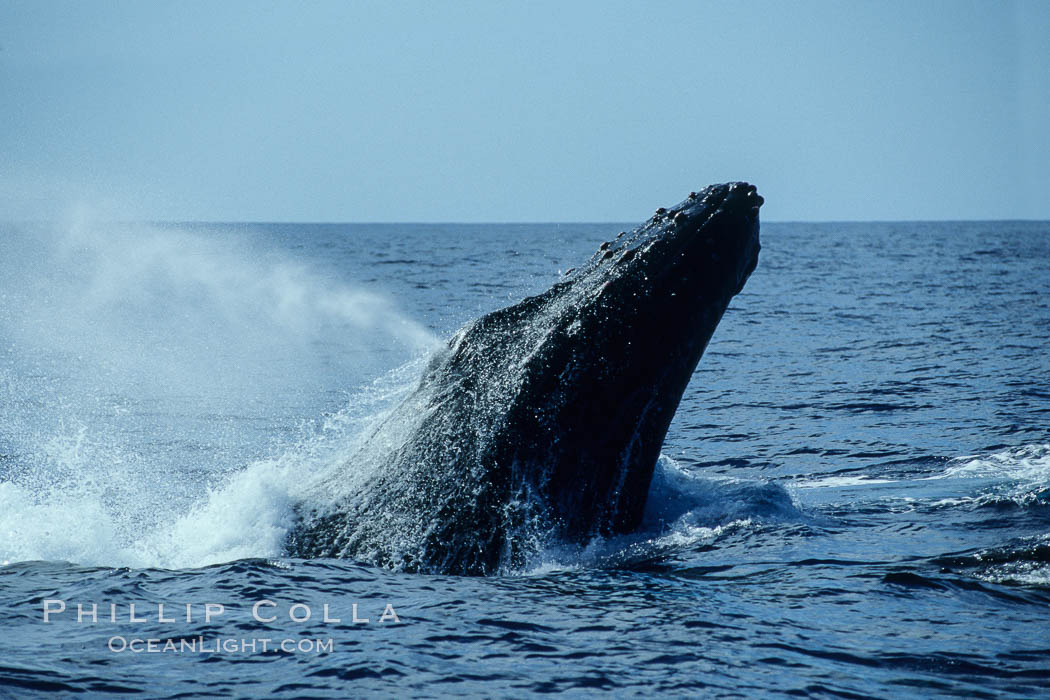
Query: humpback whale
pixel 542 422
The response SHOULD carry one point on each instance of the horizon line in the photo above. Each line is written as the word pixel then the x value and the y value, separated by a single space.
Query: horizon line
pixel 280 222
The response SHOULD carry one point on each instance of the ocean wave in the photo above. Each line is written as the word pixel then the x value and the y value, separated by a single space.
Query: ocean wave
pixel 684 512
pixel 1024 561
pixel 1018 477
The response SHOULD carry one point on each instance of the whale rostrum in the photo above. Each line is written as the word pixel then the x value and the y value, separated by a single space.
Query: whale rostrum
pixel 542 422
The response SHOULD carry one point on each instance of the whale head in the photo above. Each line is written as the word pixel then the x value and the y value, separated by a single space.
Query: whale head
pixel 631 327
pixel 668 277
pixel 702 248
pixel 544 420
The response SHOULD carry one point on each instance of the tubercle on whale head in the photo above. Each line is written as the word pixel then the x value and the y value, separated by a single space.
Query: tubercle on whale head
pixel 704 247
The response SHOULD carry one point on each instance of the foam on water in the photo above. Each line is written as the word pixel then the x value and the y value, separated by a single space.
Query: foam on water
pixel 1020 475
pixel 1028 464
pixel 683 511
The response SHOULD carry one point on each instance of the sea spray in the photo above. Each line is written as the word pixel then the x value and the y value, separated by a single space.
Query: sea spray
pixel 116 337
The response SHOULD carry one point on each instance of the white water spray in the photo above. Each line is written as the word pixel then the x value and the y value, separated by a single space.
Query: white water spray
pixel 159 384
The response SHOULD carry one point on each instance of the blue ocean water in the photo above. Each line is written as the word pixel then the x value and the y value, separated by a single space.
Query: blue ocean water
pixel 854 498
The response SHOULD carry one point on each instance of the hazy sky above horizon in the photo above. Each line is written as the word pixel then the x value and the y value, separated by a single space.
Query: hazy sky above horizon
pixel 530 111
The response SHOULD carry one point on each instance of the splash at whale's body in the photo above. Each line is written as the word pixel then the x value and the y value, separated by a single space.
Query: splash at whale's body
pixel 544 420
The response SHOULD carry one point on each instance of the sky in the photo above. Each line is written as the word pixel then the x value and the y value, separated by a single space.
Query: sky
pixel 527 111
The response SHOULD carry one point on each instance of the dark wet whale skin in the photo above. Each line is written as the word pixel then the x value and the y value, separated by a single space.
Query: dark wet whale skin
pixel 544 420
